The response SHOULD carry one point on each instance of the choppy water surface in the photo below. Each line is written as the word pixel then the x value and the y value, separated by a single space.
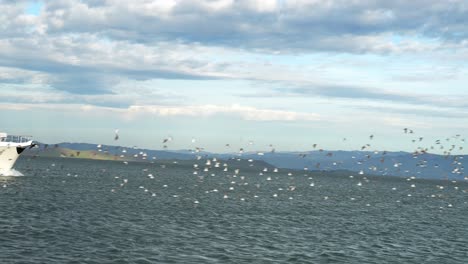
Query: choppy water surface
pixel 75 211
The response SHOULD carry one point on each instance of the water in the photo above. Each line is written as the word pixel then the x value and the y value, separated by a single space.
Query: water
pixel 76 211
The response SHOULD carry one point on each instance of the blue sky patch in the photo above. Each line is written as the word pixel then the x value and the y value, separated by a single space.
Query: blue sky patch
pixel 34 8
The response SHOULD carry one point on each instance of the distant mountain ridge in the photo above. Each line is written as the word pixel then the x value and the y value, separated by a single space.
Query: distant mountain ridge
pixel 403 164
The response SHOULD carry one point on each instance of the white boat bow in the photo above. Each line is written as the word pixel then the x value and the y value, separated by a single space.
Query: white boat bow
pixel 11 146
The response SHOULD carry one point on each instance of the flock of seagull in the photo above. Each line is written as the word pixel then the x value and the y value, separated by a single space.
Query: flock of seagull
pixel 255 180
pixel 244 178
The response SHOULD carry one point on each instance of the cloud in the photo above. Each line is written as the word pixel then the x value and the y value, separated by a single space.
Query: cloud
pixel 360 93
pixel 122 95
pixel 265 25
pixel 244 112
pixel 84 83
pixel 433 112
pixel 86 51
pixel 15 76
pixel 86 64
pixel 181 39
pixel 351 92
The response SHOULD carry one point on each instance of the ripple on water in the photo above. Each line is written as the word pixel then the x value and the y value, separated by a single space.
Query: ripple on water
pixel 51 216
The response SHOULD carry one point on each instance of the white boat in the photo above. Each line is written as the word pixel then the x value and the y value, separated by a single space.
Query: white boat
pixel 10 149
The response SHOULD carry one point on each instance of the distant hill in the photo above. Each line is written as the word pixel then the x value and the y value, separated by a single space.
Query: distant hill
pixel 107 152
pixel 56 152
pixel 403 164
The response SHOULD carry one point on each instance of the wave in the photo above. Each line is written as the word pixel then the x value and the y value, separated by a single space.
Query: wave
pixel 10 173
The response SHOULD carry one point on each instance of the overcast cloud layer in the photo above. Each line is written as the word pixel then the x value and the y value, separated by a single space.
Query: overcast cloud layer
pixel 264 60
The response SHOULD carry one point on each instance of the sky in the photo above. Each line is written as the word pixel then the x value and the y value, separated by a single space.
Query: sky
pixel 253 73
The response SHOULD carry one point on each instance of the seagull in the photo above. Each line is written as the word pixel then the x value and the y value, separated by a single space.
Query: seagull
pixel 167 139
pixel 116 137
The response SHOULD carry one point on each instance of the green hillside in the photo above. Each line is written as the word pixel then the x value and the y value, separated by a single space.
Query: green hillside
pixel 58 152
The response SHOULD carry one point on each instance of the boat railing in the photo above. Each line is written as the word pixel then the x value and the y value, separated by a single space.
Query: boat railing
pixel 16 138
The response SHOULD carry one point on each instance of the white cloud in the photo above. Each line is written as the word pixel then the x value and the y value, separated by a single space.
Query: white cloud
pixel 98 52
pixel 262 6
pixel 245 112
pixel 104 42
pixel 134 111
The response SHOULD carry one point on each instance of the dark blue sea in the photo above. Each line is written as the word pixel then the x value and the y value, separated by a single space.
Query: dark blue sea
pixel 85 211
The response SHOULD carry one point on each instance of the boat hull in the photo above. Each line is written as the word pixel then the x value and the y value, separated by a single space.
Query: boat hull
pixel 8 157
pixel 10 153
